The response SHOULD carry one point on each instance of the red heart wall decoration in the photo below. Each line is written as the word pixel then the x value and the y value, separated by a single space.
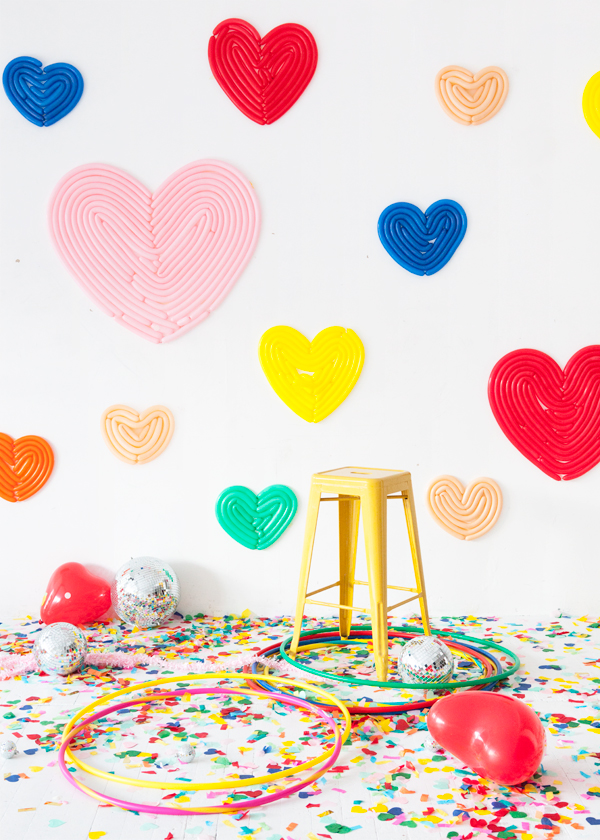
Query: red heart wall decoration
pixel 75 595
pixel 552 416
pixel 263 77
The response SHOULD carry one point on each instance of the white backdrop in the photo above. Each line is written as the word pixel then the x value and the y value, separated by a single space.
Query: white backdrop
pixel 367 132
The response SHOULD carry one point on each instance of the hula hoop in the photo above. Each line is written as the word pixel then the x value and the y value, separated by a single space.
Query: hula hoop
pixel 484 660
pixel 329 756
pixel 396 683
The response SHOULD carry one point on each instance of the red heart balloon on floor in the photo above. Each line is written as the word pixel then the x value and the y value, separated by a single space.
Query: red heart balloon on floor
pixel 497 736
pixel 263 77
pixel 552 416
pixel 75 595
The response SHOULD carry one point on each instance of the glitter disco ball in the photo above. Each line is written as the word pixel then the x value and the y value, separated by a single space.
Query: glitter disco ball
pixel 186 753
pixel 425 659
pixel 8 749
pixel 60 648
pixel 145 592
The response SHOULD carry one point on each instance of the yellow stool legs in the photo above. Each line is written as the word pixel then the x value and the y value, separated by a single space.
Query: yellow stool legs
pixel 371 489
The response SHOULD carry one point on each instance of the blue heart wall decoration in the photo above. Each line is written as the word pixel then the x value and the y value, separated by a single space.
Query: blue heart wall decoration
pixel 422 243
pixel 42 95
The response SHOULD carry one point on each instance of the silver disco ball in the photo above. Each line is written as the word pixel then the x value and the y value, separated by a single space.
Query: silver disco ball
pixel 8 749
pixel 425 659
pixel 186 753
pixel 60 648
pixel 145 592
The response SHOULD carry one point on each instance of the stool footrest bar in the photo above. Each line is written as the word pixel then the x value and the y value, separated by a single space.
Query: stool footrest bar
pixel 323 588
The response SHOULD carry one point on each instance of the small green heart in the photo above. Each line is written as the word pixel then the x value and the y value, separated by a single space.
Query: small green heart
pixel 256 521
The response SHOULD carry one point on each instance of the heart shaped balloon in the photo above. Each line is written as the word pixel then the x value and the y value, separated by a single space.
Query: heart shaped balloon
pixel 75 595
pixel 263 77
pixel 422 242
pixel 497 736
pixel 256 521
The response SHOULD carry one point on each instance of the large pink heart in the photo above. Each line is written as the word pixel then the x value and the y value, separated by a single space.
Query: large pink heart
pixel 158 263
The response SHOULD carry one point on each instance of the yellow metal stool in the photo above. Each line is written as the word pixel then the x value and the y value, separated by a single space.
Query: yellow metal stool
pixel 372 488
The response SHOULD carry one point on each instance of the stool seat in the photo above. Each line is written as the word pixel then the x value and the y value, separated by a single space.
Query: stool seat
pixel 353 488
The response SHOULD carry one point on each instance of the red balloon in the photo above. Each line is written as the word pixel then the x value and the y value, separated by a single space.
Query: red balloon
pixel 497 736
pixel 75 595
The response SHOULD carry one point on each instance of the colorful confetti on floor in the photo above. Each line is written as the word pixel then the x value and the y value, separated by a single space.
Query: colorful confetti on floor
pixel 390 782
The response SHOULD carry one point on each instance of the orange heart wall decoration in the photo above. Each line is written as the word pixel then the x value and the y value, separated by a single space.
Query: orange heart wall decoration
pixel 465 513
pixel 471 99
pixel 312 377
pixel 137 438
pixel 25 466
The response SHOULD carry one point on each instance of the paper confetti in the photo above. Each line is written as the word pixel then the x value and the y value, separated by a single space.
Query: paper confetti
pixel 387 774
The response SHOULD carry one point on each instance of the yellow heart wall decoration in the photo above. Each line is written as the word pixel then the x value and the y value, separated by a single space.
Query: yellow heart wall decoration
pixel 312 377
pixel 471 99
pixel 137 438
pixel 465 513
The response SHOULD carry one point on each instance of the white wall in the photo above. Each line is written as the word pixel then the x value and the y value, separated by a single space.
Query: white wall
pixel 367 132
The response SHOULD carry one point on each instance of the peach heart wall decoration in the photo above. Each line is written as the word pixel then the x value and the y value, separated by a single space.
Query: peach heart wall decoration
pixel 470 98
pixel 137 438
pixel 465 513
pixel 25 466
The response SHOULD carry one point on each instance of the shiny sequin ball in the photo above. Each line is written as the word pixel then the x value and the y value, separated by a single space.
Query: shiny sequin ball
pixel 145 592
pixel 186 753
pixel 425 659
pixel 8 749
pixel 60 648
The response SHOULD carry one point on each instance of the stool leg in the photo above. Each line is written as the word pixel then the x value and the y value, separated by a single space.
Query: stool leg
pixel 349 510
pixel 375 527
pixel 312 514
pixel 415 550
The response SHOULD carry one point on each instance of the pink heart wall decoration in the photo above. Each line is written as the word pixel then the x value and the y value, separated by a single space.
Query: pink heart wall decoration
pixel 157 263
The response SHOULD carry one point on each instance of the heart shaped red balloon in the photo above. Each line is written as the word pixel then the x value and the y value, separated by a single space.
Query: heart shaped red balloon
pixel 497 736
pixel 74 595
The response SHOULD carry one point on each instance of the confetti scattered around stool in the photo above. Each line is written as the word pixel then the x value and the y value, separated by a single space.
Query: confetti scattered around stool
pixel 551 416
pixel 465 513
pixel 137 438
pixel 386 767
pixel 422 243
pixel 157 263
pixel 25 466
pixel 263 77
pixel 42 95
pixel 256 521
pixel 471 99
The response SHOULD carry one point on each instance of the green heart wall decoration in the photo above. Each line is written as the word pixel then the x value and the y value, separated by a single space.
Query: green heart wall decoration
pixel 256 521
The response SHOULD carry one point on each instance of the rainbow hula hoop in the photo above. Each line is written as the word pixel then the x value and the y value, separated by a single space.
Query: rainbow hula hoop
pixel 451 684
pixel 486 662
pixel 329 756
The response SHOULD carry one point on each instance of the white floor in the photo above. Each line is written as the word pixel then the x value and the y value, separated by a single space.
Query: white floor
pixel 560 676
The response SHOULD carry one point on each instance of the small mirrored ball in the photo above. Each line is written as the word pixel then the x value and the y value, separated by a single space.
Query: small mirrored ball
pixel 425 659
pixel 8 748
pixel 186 753
pixel 145 592
pixel 60 648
